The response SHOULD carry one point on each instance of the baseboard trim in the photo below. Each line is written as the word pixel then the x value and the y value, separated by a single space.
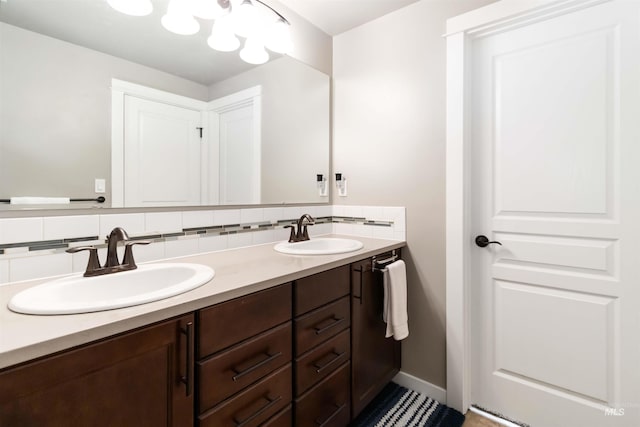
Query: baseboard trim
pixel 421 386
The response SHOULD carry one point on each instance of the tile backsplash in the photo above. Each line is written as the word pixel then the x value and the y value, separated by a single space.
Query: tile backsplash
pixel 33 248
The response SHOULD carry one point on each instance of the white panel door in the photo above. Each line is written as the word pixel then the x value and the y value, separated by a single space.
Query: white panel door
pixel 239 157
pixel 556 179
pixel 161 154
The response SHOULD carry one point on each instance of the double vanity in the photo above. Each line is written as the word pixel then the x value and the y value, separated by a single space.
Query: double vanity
pixel 274 339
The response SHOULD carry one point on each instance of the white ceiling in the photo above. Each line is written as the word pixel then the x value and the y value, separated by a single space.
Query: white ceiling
pixel 337 16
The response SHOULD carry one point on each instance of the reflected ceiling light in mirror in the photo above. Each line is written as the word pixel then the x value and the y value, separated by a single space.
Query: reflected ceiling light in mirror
pixel 253 52
pixel 279 37
pixel 209 9
pixel 246 19
pixel 132 7
pixel 222 37
pixel 179 19
pixel 250 19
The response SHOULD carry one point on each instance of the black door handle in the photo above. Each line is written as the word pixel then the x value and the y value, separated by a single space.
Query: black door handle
pixel 483 241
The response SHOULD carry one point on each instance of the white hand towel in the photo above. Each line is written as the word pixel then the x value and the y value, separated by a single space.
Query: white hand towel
pixel 40 200
pixel 395 300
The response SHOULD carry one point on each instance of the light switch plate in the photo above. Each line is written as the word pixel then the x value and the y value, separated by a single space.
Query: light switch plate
pixel 100 185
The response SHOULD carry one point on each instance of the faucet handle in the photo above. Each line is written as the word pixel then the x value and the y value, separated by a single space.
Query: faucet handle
pixel 128 262
pixel 292 235
pixel 93 265
pixel 305 234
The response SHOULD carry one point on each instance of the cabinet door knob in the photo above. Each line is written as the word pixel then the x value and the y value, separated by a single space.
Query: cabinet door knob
pixel 484 241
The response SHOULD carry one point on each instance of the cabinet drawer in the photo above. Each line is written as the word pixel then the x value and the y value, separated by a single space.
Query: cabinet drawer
pixel 321 361
pixel 228 372
pixel 315 327
pixel 313 291
pixel 327 404
pixel 283 419
pixel 253 406
pixel 230 322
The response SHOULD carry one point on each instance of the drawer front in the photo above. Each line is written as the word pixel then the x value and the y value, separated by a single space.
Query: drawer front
pixel 228 372
pixel 253 406
pixel 314 291
pixel 283 419
pixel 321 361
pixel 230 322
pixel 314 328
pixel 327 404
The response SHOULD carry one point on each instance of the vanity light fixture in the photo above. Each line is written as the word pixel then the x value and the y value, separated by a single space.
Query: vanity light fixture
pixel 246 19
pixel 208 9
pixel 222 37
pixel 179 18
pixel 258 23
pixel 253 51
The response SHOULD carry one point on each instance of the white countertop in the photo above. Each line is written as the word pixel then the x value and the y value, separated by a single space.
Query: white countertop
pixel 238 272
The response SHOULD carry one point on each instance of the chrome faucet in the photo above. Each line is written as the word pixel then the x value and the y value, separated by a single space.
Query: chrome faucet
pixel 112 265
pixel 301 233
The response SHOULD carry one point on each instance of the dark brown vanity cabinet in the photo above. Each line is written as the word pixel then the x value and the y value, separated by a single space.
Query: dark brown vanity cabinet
pixel 322 349
pixel 244 370
pixel 375 359
pixel 139 378
pixel 307 353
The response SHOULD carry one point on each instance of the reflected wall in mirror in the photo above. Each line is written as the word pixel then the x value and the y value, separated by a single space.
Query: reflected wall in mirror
pixel 56 114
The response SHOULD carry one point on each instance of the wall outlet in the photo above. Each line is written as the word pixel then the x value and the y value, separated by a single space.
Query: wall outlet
pixel 100 185
pixel 322 188
pixel 342 188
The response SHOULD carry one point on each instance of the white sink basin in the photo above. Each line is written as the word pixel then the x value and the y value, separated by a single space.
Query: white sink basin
pixel 319 246
pixel 78 294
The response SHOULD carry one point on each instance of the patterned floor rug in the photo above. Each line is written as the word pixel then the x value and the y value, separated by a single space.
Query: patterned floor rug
pixel 398 406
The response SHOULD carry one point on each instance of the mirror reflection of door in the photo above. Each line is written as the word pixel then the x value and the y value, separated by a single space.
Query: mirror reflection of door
pixel 161 154
pixel 169 150
pixel 235 123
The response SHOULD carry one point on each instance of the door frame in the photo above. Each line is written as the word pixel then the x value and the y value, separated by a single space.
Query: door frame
pixel 461 31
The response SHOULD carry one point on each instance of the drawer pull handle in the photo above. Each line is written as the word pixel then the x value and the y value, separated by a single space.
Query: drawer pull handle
pixel 270 358
pixel 321 368
pixel 270 404
pixel 187 379
pixel 336 321
pixel 335 413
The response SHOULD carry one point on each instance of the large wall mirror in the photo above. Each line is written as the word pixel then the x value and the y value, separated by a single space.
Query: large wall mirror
pixel 58 64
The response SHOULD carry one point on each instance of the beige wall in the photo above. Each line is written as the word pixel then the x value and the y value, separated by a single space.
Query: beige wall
pixel 389 141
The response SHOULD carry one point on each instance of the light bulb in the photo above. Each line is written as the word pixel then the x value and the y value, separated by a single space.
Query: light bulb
pixel 253 52
pixel 132 7
pixel 207 9
pixel 245 19
pixel 179 20
pixel 279 37
pixel 222 37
